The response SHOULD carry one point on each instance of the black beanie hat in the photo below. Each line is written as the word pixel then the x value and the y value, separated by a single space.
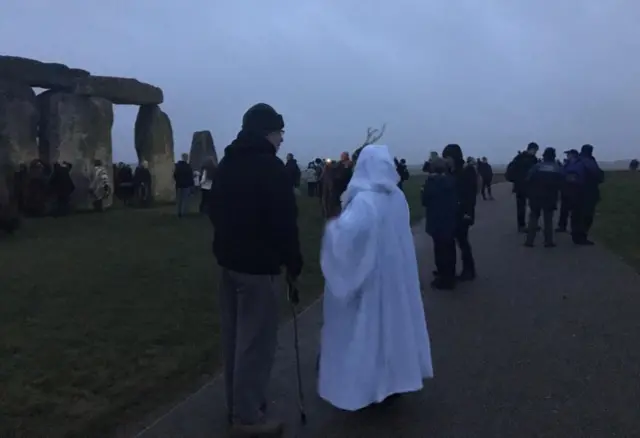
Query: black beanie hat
pixel 586 150
pixel 262 119
pixel 549 154
pixel 454 152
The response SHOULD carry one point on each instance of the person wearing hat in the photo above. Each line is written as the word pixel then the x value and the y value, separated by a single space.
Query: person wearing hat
pixel 517 172
pixel 544 181
pixel 254 215
pixel 565 202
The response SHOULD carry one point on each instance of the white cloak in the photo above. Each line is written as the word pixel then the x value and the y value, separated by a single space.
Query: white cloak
pixel 374 338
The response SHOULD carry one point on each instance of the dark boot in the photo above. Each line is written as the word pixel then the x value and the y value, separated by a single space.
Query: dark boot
pixel 441 283
pixel 267 429
pixel 467 275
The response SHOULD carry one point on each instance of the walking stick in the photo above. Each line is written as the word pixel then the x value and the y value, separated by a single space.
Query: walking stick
pixel 294 299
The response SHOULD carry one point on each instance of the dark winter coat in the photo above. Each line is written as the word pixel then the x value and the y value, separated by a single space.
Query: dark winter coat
pixel 183 175
pixel 253 210
pixel 440 200
pixel 544 182
pixel 518 170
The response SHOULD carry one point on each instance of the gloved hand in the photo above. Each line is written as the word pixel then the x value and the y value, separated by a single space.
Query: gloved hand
pixel 292 293
pixel 294 268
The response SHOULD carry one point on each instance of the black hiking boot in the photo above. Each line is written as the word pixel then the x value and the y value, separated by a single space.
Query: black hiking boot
pixel 268 429
pixel 467 275
pixel 549 245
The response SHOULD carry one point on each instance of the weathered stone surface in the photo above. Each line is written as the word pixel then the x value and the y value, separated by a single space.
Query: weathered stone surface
pixel 154 143
pixel 18 125
pixel 39 74
pixel 202 147
pixel 125 91
pixel 76 129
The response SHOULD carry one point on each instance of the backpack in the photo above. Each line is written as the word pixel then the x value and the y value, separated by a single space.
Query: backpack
pixel 510 174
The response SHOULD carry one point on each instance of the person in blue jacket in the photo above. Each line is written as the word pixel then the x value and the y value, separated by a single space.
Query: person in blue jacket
pixel 440 201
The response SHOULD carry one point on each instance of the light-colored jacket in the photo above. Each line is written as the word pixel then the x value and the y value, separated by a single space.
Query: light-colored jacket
pixel 205 183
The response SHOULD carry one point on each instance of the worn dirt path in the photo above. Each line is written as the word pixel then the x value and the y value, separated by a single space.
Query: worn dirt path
pixel 545 343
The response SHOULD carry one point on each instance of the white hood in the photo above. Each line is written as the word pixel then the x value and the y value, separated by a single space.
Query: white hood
pixel 375 171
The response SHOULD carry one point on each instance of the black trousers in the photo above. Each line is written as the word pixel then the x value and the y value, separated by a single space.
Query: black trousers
pixel 485 188
pixel 312 189
pixel 521 208
pixel 583 211
pixel 565 209
pixel 547 219
pixel 466 254
pixel 204 201
pixel 61 206
pixel 444 254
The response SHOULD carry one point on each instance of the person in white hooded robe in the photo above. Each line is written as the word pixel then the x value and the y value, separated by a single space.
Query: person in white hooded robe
pixel 374 341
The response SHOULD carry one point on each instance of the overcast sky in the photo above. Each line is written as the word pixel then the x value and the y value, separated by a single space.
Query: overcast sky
pixel 491 75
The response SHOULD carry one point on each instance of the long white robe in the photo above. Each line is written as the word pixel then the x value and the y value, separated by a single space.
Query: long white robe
pixel 374 338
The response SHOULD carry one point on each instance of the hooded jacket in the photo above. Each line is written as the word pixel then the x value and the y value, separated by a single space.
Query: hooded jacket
pixel 253 210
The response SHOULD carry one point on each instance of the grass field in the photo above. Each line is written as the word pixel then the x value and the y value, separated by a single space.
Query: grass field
pixel 107 317
pixel 617 223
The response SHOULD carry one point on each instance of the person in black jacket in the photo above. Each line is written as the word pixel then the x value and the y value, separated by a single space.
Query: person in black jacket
pixel 254 215
pixel 293 171
pixel 466 189
pixel 142 183
pixel 486 174
pixel 517 172
pixel 62 187
pixel 403 171
pixel 183 176
pixel 544 182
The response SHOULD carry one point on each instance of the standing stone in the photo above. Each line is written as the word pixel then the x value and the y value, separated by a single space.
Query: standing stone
pixel 202 147
pixel 76 129
pixel 18 125
pixel 154 143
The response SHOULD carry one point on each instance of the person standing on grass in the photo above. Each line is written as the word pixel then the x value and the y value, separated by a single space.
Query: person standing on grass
pixel 486 175
pixel 544 182
pixel 100 185
pixel 254 215
pixel 374 341
pixel 142 183
pixel 183 177
pixel 293 170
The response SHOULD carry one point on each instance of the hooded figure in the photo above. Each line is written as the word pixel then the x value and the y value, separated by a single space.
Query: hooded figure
pixel 374 340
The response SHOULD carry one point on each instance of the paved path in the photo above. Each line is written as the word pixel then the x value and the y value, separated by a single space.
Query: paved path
pixel 545 343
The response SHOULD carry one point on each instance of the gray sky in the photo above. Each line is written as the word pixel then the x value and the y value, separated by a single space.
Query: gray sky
pixel 490 75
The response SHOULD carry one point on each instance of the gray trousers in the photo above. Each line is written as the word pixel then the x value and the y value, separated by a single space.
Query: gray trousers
pixel 249 319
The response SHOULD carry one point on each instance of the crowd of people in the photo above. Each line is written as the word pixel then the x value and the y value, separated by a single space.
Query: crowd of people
pixel 543 184
pixel 132 186
pixel 38 189
pixel 451 187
